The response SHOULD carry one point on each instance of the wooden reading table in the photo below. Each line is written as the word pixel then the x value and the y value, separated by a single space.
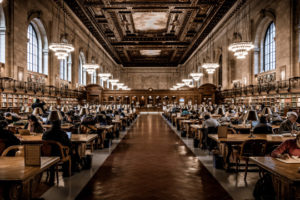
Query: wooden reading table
pixel 14 173
pixel 238 139
pixel 286 177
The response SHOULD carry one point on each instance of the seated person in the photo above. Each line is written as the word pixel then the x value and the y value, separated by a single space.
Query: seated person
pixel 2 116
pixel 276 119
pixel 7 136
pixel 55 133
pixel 69 117
pixel 262 127
pixel 287 148
pixel 38 104
pixel 10 118
pixel 185 112
pixel 289 125
pixel 34 125
pixel 210 122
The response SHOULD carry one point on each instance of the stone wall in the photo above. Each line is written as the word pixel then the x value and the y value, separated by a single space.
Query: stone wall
pixel 284 13
pixel 19 13
pixel 149 77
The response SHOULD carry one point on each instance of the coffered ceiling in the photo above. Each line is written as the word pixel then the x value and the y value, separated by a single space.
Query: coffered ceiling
pixel 150 32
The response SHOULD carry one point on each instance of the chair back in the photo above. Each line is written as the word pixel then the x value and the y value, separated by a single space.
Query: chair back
pixel 18 149
pixel 2 145
pixel 51 148
pixel 222 132
pixel 212 130
pixel 254 147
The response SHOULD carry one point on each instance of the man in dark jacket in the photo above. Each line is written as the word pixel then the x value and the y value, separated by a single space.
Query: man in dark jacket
pixel 262 127
pixel 55 133
pixel 38 104
pixel 7 136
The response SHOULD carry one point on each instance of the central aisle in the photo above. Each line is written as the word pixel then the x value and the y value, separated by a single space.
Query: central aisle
pixel 152 163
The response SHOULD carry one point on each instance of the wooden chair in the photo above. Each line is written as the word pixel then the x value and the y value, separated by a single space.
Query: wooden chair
pixel 19 149
pixel 54 148
pixel 252 147
pixel 2 145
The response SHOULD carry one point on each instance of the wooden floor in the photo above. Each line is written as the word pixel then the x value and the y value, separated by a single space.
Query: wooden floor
pixel 152 163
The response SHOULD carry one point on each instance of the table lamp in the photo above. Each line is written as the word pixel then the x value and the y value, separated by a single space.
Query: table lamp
pixel 266 111
pixel 220 111
pixel 83 111
pixel 251 115
pixel 65 109
pixel 28 109
pixel 275 109
pixel 54 116
pixel 37 111
pixel 23 108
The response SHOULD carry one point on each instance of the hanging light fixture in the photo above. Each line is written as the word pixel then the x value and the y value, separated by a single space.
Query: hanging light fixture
pixel 187 82
pixel 61 49
pixel 241 47
pixel 196 76
pixel 104 76
pixel 180 84
pixel 90 68
pixel 210 66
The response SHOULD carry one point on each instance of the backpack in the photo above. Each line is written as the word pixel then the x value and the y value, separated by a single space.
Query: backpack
pixel 264 189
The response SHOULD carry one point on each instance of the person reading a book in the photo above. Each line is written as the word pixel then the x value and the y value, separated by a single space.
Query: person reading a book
pixel 289 125
pixel 287 149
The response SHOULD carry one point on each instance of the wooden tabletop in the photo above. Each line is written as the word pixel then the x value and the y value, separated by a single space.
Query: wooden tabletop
pixel 106 127
pixel 289 171
pixel 196 126
pixel 14 169
pixel 241 126
pixel 116 121
pixel 188 121
pixel 63 126
pixel 240 138
pixel 75 138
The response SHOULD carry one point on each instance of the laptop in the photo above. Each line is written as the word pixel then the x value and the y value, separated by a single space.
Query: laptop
pixel 69 134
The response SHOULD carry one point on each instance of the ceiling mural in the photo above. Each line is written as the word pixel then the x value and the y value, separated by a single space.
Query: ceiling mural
pixel 161 33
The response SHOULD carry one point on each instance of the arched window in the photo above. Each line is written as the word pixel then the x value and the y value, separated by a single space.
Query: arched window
pixel 81 71
pixel 269 49
pixel 37 47
pixel 66 69
pixel 32 50
pixel 2 35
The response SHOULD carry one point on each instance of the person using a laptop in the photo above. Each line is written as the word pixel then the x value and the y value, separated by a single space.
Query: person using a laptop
pixel 288 148
pixel 289 125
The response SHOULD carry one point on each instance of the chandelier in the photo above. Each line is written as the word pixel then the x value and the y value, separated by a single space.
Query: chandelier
pixel 62 49
pixel 104 76
pixel 180 85
pixel 196 76
pixel 210 67
pixel 187 81
pixel 90 68
pixel 240 49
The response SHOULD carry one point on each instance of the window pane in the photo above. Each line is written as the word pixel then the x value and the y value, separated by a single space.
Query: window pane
pixel 32 50
pixel 269 49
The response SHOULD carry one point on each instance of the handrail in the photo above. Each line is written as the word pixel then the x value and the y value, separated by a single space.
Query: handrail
pixel 7 83
pixel 276 86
